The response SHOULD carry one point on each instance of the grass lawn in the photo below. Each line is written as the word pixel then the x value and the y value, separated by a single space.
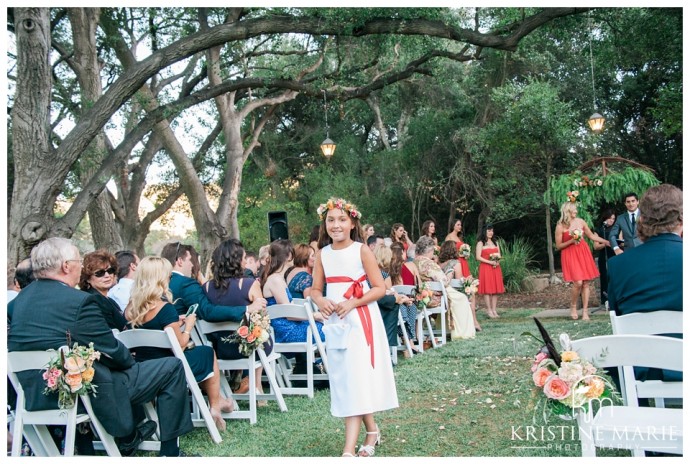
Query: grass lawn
pixel 469 398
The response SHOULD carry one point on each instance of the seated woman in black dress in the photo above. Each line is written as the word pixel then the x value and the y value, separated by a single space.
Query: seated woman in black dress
pixel 150 308
pixel 229 287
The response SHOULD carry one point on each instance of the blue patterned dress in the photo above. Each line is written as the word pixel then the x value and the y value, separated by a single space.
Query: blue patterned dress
pixel 287 331
pixel 299 283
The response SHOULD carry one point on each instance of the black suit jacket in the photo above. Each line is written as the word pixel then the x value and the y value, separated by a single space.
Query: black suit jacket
pixel 42 315
pixel 187 291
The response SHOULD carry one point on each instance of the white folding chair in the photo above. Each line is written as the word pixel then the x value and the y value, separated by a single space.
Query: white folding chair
pixel 648 323
pixel 250 364
pixel 422 319
pixel 166 339
pixel 631 427
pixel 457 284
pixel 441 310
pixel 32 424
pixel 297 312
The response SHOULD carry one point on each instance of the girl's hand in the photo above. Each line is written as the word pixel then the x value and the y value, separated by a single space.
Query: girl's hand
pixel 190 321
pixel 327 307
pixel 344 307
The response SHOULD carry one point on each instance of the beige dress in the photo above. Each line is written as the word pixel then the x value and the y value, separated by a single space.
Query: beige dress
pixel 460 310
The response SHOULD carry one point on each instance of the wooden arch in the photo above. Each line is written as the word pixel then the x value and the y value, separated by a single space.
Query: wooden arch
pixel 612 159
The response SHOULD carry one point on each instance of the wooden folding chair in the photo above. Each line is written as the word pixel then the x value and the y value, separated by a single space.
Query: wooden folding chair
pixel 296 312
pixel 32 424
pixel 166 339
pixel 631 427
pixel 250 364
pixel 648 323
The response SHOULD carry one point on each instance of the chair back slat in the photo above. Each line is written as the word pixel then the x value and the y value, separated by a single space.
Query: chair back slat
pixel 632 350
pixel 293 311
pixel 648 323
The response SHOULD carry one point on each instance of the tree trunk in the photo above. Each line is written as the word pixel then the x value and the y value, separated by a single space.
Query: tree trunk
pixel 549 234
pixel 84 23
pixel 36 183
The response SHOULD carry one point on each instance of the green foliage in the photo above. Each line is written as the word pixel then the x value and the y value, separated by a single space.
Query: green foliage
pixel 517 257
pixel 615 185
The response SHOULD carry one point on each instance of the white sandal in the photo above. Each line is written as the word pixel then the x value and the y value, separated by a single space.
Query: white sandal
pixel 370 449
pixel 347 455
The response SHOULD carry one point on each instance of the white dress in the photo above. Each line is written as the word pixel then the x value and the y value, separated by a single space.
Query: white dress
pixel 356 387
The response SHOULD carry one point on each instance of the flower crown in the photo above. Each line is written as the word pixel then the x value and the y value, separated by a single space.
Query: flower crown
pixel 572 196
pixel 339 203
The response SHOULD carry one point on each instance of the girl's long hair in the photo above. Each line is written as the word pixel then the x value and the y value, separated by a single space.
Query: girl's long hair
pixel 278 253
pixel 150 286
pixel 397 262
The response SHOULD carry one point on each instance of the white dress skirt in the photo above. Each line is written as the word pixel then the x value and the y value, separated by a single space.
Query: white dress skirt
pixel 360 376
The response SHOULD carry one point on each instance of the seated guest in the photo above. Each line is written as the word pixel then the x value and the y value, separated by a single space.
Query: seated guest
pixel 276 291
pixel 230 287
pixel 403 303
pixel 298 276
pixel 462 325
pixel 374 240
pixel 251 264
pixel 47 310
pixel 649 277
pixel 449 261
pixel 187 291
pixel 12 285
pixel 314 237
pixel 127 262
pixel 150 309
pixel 263 256
pixel 97 277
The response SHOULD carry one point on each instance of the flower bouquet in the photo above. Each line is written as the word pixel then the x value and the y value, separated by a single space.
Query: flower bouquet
pixel 566 383
pixel 465 250
pixel 252 333
pixel 71 374
pixel 572 196
pixel 576 234
pixel 422 296
pixel 495 257
pixel 470 286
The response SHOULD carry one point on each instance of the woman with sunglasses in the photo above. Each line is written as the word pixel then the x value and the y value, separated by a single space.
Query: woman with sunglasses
pixel 98 275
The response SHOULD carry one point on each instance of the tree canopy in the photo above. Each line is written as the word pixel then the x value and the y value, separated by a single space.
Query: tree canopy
pixel 437 113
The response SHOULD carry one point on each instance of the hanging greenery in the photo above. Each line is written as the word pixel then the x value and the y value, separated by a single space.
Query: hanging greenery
pixel 593 189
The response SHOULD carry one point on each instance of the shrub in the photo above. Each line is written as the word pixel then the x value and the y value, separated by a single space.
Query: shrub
pixel 517 256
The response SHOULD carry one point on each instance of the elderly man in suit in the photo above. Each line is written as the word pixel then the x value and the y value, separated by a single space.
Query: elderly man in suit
pixel 49 309
pixel 188 291
pixel 626 223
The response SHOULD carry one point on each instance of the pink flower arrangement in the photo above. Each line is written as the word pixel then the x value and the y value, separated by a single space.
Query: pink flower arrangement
pixel 567 382
pixel 252 333
pixel 71 374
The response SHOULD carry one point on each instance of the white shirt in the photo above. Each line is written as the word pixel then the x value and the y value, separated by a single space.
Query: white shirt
pixel 121 292
pixel 11 295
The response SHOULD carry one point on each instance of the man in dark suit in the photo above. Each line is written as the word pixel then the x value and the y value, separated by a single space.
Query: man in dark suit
pixel 626 223
pixel 187 291
pixel 650 277
pixel 50 309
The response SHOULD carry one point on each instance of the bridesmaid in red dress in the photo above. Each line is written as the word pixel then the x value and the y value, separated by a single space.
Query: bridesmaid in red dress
pixel 576 257
pixel 490 275
pixel 455 236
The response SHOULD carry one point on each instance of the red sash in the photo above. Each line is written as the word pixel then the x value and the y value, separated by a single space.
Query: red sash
pixel 357 291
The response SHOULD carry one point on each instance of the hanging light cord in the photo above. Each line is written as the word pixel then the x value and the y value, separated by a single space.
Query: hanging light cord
pixel 325 110
pixel 591 61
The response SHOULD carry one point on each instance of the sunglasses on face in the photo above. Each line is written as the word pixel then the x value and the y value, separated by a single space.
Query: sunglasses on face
pixel 101 272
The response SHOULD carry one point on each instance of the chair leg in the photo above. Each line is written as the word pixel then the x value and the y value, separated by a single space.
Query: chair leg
pixel 252 394
pixel 270 374
pixel 17 434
